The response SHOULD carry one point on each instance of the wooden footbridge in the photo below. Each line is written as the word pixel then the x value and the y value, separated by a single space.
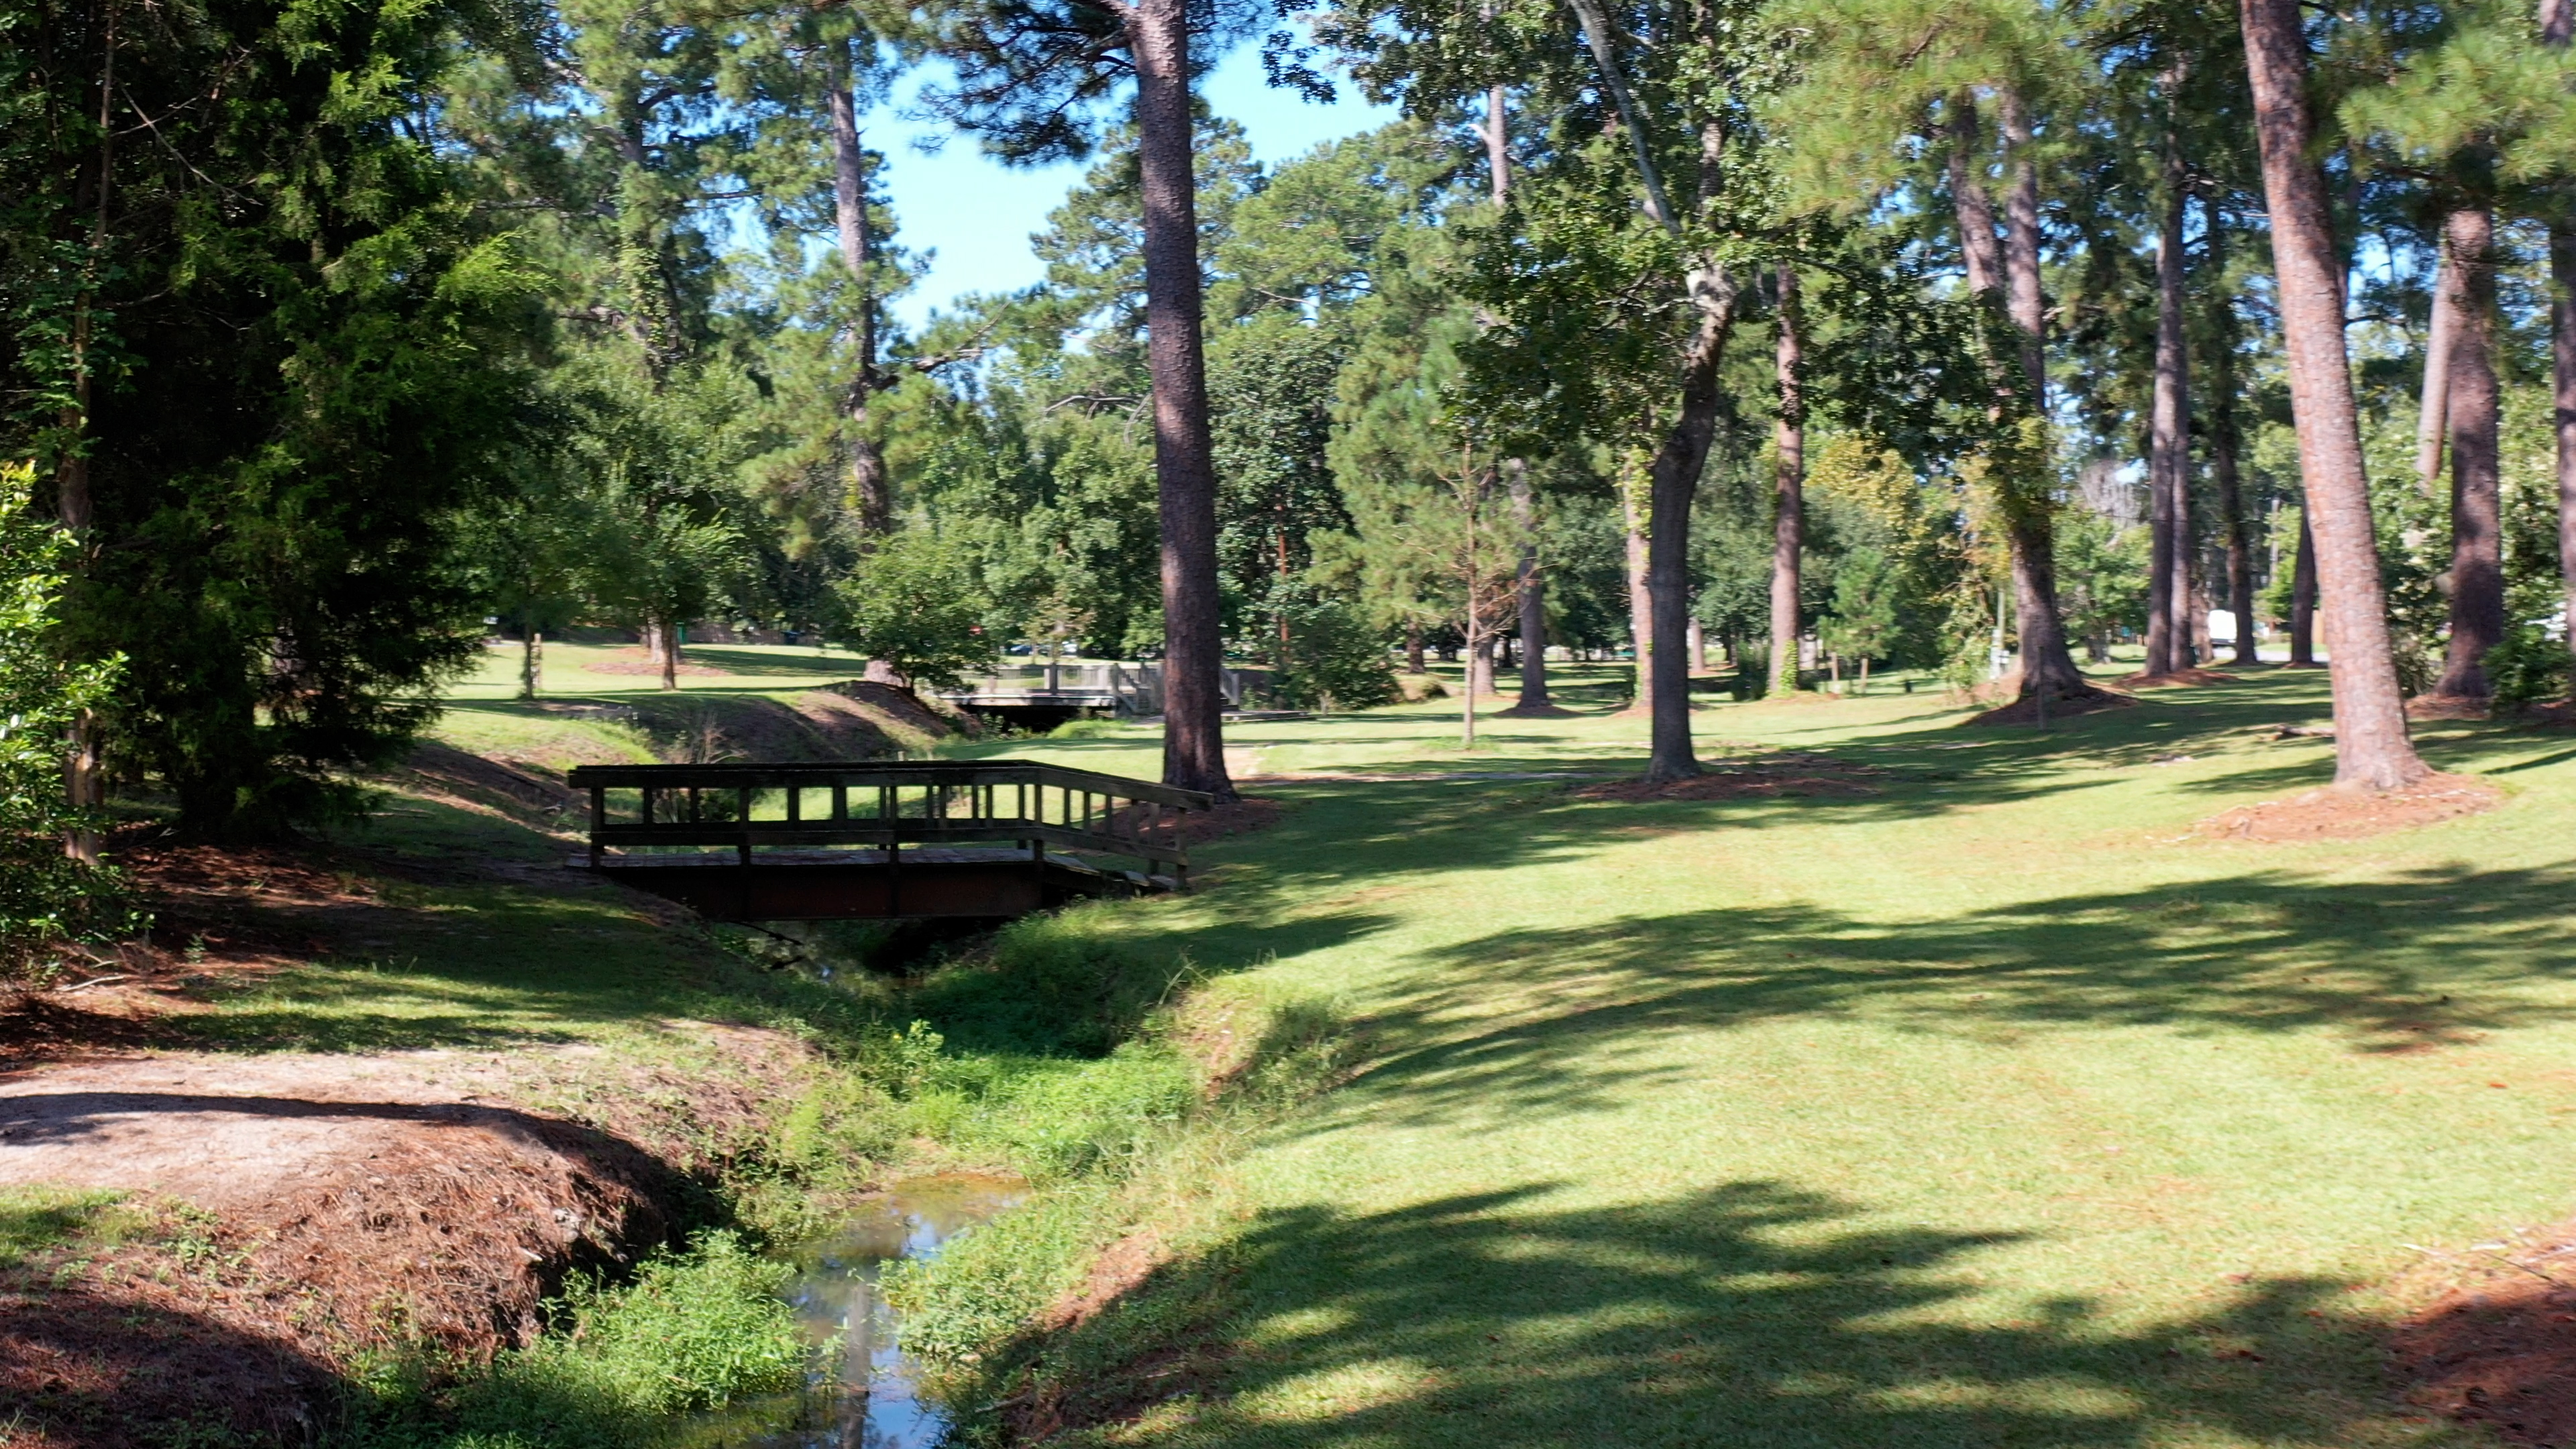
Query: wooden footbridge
pixel 882 841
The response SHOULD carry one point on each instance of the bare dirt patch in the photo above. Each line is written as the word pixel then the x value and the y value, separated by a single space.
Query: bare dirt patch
pixel 635 661
pixel 2178 679
pixel 2026 711
pixel 2448 706
pixel 1788 772
pixel 2495 1342
pixel 342 1204
pixel 1192 827
pixel 2332 814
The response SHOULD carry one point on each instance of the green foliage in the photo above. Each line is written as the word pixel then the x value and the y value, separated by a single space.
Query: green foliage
pixel 914 604
pixel 1336 659
pixel 305 354
pixel 46 898
pixel 691 1330
pixel 1861 623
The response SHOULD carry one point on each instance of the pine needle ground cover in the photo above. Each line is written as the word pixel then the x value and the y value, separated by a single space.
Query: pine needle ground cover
pixel 1993 1104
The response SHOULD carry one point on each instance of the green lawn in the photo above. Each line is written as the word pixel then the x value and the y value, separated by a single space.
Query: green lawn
pixel 1994 1107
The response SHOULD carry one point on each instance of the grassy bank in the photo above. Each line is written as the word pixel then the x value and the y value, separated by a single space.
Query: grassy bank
pixel 778 1085
pixel 1967 1096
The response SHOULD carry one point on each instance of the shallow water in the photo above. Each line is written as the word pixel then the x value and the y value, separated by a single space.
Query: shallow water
pixel 869 1399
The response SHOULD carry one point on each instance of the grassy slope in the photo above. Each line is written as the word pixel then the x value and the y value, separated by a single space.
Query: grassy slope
pixel 1994 1108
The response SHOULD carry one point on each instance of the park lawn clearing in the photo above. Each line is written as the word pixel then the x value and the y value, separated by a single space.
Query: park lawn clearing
pixel 1997 1106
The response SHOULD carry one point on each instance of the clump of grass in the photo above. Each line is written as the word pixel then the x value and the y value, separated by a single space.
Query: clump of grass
pixel 42 1220
pixel 692 1330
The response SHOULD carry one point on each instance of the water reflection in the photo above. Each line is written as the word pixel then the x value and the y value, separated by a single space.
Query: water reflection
pixel 872 1401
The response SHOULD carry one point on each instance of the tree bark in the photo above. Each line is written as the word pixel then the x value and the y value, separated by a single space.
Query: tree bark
pixel 84 755
pixel 1677 466
pixel 2557 27
pixel 2562 354
pixel 2474 407
pixel 2169 437
pixel 2303 598
pixel 1184 455
pixel 1413 661
pixel 2047 667
pixel 1788 487
pixel 1533 590
pixel 2433 413
pixel 2225 438
pixel 669 633
pixel 1641 611
pixel 2372 751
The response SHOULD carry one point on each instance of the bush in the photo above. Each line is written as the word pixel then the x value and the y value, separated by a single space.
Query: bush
pixel 914 604
pixel 1752 671
pixel 2528 668
pixel 46 898
pixel 693 1330
pixel 1335 661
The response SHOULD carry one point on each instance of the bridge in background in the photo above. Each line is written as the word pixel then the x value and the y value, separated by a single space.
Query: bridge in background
pixel 865 840
pixel 1043 695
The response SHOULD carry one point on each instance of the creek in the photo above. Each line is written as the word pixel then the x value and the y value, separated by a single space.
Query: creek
pixel 867 1397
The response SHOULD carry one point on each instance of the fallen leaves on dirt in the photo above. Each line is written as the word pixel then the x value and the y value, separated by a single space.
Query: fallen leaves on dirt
pixel 2495 1342
pixel 1786 772
pixel 2026 710
pixel 2178 679
pixel 2448 706
pixel 2332 813
pixel 1191 827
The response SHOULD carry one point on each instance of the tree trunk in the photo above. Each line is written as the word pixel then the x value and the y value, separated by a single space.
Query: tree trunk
pixel 1413 661
pixel 2557 27
pixel 2433 413
pixel 1480 668
pixel 2303 598
pixel 1675 473
pixel 532 657
pixel 670 636
pixel 2169 437
pixel 2372 751
pixel 2224 440
pixel 1788 487
pixel 1641 613
pixel 2477 545
pixel 1533 593
pixel 84 779
pixel 2047 666
pixel 1184 456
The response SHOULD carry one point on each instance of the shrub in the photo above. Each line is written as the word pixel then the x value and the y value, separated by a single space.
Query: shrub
pixel 46 898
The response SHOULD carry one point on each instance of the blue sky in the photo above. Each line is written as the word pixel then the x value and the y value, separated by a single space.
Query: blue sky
pixel 976 215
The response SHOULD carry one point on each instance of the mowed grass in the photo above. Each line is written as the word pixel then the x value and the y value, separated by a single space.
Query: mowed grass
pixel 595 669
pixel 1993 1107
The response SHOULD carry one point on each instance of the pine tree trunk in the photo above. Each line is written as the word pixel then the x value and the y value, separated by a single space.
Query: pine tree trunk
pixel 2433 412
pixel 2557 28
pixel 1413 660
pixel 1184 462
pixel 2562 353
pixel 2169 437
pixel 1480 668
pixel 84 777
pixel 1533 595
pixel 2372 751
pixel 1788 487
pixel 2225 440
pixel 2303 598
pixel 2474 407
pixel 2047 667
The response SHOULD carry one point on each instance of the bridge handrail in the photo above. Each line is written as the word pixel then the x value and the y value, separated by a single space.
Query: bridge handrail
pixel 974 813
pixel 732 775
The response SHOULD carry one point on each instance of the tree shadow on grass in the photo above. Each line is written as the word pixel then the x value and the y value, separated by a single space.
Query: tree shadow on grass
pixel 2432 958
pixel 1754 1314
